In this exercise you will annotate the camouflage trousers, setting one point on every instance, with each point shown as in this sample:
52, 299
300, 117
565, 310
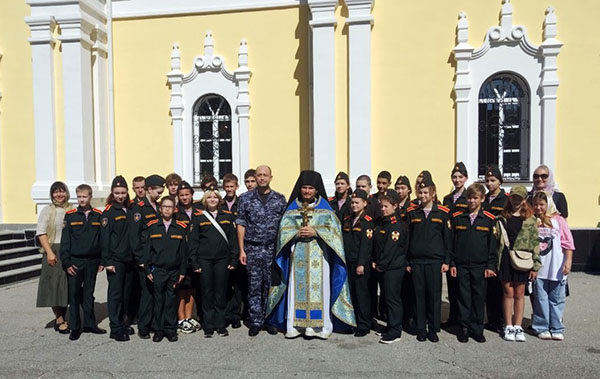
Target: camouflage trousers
259, 264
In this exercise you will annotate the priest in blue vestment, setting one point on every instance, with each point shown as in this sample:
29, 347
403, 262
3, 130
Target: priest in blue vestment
309, 293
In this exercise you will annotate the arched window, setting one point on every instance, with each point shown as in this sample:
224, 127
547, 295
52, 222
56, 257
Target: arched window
211, 138
504, 126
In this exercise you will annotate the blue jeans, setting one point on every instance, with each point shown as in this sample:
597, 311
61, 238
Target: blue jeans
548, 306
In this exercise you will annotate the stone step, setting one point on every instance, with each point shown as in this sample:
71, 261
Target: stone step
18, 252
12, 243
20, 274
8, 265
4, 236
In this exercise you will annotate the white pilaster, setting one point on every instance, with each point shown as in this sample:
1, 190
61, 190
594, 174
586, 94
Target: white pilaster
242, 78
462, 90
42, 63
359, 22
322, 25
550, 49
175, 79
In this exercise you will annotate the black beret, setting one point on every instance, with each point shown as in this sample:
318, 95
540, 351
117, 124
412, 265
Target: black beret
403, 180
361, 194
460, 167
184, 185
155, 181
343, 176
495, 172
119, 181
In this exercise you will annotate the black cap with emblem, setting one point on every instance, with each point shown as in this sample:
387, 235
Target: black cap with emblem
427, 181
119, 181
403, 180
342, 176
392, 196
184, 185
460, 167
362, 194
495, 172
155, 181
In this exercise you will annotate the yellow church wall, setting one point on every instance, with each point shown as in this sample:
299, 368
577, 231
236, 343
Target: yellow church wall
413, 119
278, 88
16, 115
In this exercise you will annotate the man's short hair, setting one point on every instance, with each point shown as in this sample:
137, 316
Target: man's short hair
138, 179
84, 187
228, 178
250, 173
173, 178
385, 175
364, 177
167, 198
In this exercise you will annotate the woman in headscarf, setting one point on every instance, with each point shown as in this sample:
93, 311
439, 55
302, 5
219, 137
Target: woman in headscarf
543, 180
52, 287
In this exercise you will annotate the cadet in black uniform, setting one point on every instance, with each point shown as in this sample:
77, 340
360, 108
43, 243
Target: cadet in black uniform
363, 182
80, 256
391, 239
214, 252
429, 256
472, 260
165, 259
384, 180
455, 201
187, 289
495, 200
237, 289
141, 214
418, 181
117, 258
358, 229
340, 203
404, 190
172, 182
138, 185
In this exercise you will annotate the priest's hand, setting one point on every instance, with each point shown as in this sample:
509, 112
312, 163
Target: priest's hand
307, 232
445, 268
453, 272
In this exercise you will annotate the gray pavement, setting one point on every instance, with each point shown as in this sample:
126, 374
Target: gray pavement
29, 350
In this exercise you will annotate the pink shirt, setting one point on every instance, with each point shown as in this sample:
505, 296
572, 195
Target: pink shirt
167, 224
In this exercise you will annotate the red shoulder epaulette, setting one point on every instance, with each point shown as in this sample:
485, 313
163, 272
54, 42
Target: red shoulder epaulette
393, 219
457, 213
71, 211
182, 224
411, 208
107, 207
131, 201
367, 217
347, 217
198, 212
331, 198
97, 210
443, 209
152, 222
141, 203
507, 193
491, 216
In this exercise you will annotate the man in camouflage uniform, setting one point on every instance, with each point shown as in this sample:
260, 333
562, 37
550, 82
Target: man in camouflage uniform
259, 213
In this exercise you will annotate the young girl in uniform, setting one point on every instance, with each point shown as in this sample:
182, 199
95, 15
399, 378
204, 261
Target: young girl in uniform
340, 203
519, 227
556, 251
402, 188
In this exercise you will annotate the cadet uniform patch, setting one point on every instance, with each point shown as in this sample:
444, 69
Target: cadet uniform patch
369, 233
137, 217
104, 221
395, 235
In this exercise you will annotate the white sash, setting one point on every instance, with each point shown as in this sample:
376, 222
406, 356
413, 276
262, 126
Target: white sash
216, 225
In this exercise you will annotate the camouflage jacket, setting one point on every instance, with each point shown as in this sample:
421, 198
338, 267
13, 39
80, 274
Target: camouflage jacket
261, 220
527, 240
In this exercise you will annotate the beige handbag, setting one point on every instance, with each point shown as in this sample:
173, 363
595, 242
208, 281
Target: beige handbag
521, 260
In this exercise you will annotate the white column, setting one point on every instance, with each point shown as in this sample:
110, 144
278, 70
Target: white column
175, 79
77, 87
242, 78
359, 22
101, 129
1, 204
42, 42
550, 49
323, 88
466, 143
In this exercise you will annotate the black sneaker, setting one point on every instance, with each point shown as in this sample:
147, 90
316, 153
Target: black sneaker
222, 332
433, 337
388, 338
143, 334
271, 330
360, 333
463, 335
172, 337
478, 337
129, 331
253, 331
75, 334
158, 336
208, 333
236, 324
421, 336
121, 337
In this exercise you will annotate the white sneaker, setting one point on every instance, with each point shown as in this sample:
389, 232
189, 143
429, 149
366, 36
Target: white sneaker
519, 334
544, 335
187, 328
558, 336
195, 324
509, 333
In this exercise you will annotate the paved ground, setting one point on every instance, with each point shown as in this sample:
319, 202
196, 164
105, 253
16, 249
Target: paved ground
29, 350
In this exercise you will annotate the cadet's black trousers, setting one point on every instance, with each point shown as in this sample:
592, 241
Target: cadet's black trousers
237, 294
81, 292
408, 297
146, 308
392, 286
377, 295
427, 279
213, 283
452, 284
359, 293
119, 292
166, 301
493, 300
471, 297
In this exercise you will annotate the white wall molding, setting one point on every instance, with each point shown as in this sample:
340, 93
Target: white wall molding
507, 48
1, 204
323, 147
209, 76
359, 23
152, 8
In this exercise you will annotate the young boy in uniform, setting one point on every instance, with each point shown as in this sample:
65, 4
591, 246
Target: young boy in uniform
429, 256
384, 180
139, 188
141, 214
80, 255
357, 230
165, 261
250, 179
473, 259
172, 181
